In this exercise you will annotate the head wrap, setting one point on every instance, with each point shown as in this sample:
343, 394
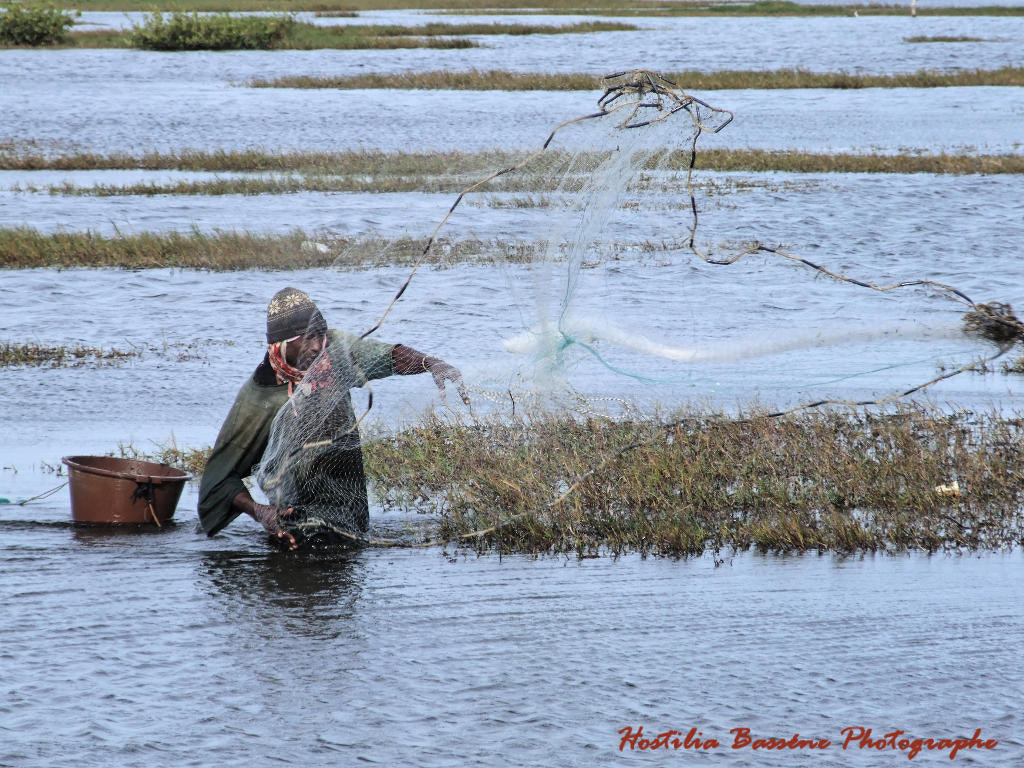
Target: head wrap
292, 313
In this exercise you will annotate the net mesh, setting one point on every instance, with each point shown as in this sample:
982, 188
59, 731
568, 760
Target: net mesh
616, 180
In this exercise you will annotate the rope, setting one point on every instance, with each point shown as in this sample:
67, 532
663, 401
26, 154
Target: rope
43, 495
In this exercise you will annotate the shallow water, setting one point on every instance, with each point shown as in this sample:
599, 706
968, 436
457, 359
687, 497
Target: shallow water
122, 100
863, 44
175, 115
171, 648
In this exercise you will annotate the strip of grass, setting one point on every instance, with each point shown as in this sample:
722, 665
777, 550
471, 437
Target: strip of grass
301, 36
276, 186
360, 162
19, 354
827, 480
437, 28
590, 7
522, 183
24, 248
691, 80
946, 39
389, 171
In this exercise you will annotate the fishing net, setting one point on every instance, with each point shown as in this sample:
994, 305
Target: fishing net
607, 189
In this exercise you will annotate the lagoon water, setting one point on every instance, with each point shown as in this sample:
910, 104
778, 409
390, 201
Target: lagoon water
141, 648
171, 649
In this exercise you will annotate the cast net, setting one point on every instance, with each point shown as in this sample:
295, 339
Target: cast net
602, 297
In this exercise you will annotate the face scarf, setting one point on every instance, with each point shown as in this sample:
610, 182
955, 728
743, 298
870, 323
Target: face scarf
285, 373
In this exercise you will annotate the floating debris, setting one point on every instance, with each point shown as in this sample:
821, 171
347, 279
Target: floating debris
995, 322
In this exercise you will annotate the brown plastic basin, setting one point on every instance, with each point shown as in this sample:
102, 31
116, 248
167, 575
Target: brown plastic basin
109, 490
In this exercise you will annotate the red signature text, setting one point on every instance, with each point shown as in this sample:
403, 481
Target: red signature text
853, 737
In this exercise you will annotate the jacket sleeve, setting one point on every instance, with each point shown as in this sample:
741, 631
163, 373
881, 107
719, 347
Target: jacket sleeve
356, 361
239, 447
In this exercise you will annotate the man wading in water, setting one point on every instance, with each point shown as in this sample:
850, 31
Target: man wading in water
312, 470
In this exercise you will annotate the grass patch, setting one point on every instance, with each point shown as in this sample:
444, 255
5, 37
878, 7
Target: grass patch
15, 354
223, 251
946, 39
822, 480
215, 32
591, 7
498, 80
445, 171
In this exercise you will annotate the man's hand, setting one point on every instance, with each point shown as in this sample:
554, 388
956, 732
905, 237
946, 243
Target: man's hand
409, 362
442, 372
270, 518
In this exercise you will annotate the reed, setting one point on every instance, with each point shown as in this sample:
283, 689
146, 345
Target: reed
392, 170
691, 80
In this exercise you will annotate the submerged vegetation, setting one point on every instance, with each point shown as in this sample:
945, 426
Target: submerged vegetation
500, 80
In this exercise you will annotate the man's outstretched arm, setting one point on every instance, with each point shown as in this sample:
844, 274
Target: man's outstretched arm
409, 362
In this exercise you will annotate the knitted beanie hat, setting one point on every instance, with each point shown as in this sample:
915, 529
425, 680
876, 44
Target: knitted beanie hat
292, 313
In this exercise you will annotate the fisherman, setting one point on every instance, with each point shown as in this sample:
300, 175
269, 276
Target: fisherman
301, 389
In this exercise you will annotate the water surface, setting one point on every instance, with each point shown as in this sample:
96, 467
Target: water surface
171, 648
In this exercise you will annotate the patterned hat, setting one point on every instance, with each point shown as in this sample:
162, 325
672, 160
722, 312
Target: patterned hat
292, 313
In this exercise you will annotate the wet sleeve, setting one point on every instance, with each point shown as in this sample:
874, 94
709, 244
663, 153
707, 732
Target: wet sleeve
370, 359
239, 447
